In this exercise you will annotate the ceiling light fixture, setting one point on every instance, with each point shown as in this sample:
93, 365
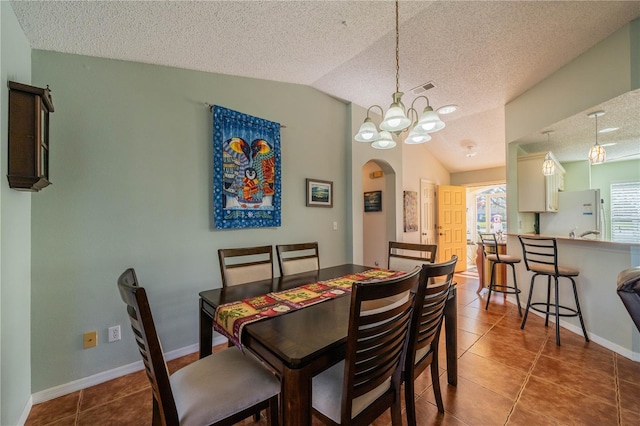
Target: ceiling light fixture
609, 129
396, 120
447, 109
597, 153
549, 166
471, 152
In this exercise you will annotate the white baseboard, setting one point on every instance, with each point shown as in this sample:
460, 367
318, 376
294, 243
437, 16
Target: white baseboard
105, 376
25, 413
627, 353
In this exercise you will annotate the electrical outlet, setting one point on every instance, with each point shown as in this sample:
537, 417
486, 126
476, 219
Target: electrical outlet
114, 333
90, 339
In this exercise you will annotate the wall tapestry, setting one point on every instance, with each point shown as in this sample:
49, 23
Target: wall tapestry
246, 170
410, 211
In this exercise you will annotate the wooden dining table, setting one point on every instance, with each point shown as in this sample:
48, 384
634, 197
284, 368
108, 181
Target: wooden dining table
302, 343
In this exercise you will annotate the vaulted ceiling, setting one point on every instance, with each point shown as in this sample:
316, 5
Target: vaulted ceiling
479, 54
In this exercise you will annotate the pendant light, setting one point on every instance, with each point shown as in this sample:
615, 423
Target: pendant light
549, 166
396, 120
597, 153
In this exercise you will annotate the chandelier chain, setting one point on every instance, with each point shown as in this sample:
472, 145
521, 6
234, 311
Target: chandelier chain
397, 51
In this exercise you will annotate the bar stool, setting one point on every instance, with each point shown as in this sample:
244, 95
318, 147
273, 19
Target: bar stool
541, 258
489, 241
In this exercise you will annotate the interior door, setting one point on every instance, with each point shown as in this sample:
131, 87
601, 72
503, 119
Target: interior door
452, 224
427, 212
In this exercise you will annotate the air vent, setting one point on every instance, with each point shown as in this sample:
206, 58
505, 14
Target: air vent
423, 88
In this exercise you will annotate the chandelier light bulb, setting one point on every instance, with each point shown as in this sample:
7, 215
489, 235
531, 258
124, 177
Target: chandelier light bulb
385, 142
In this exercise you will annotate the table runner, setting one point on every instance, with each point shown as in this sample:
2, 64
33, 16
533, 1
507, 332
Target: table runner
230, 318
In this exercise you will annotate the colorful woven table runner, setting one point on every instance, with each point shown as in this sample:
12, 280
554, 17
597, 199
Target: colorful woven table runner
230, 318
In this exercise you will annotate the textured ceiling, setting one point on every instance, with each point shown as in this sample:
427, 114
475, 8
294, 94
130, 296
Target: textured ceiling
479, 54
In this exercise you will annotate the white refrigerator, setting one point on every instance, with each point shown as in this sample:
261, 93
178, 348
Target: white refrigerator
578, 211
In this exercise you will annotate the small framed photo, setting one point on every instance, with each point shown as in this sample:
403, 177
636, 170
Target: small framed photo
319, 193
373, 201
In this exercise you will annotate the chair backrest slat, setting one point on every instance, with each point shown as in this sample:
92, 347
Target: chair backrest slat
489, 244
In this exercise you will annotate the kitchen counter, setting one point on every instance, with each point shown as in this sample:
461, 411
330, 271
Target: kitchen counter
587, 239
599, 262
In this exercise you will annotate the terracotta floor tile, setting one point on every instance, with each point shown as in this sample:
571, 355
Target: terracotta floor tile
53, 410
480, 314
630, 396
501, 350
587, 381
534, 325
566, 405
628, 370
113, 389
520, 338
584, 355
522, 417
176, 364
472, 403
427, 415
629, 418
491, 374
466, 296
134, 410
473, 326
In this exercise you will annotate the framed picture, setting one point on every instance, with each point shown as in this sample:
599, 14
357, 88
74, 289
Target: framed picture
319, 193
373, 201
410, 211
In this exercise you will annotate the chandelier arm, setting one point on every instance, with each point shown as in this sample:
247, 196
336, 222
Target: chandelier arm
411, 112
421, 96
375, 106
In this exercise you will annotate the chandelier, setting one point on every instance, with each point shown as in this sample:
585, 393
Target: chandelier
396, 120
597, 154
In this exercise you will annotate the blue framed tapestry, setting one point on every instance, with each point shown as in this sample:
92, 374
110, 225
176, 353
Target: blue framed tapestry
246, 170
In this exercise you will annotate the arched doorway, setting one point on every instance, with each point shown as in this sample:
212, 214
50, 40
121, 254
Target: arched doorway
379, 223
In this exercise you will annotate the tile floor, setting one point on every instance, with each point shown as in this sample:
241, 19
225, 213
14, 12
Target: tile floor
506, 376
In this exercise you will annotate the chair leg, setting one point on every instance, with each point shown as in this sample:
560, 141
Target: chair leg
435, 382
526, 311
156, 419
256, 417
575, 293
272, 412
515, 286
396, 410
410, 399
493, 265
546, 315
557, 304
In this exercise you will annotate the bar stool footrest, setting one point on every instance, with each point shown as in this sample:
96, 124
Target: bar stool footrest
505, 289
548, 310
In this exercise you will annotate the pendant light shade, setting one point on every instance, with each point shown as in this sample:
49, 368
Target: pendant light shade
597, 153
385, 142
395, 120
367, 132
417, 135
430, 121
548, 166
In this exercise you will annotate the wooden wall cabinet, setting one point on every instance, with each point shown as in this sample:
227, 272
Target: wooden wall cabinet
536, 192
29, 109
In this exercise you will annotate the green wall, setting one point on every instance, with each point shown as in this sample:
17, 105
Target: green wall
15, 240
131, 162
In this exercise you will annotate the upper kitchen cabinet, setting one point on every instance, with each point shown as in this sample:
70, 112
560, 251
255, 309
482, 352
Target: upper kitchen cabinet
536, 192
28, 155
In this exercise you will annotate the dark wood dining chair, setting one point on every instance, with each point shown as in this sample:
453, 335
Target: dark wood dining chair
243, 265
220, 389
426, 322
297, 258
406, 256
359, 389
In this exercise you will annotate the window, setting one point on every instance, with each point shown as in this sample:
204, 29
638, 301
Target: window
625, 212
491, 210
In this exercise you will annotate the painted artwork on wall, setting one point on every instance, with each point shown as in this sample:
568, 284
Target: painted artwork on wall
246, 170
410, 211
373, 201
